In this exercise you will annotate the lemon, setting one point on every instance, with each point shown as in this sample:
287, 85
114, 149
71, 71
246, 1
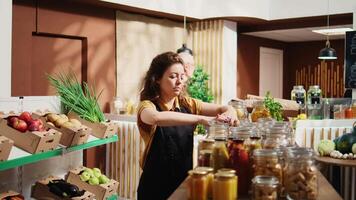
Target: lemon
302, 116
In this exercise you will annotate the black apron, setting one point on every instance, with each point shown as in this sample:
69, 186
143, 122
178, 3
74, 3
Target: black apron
168, 161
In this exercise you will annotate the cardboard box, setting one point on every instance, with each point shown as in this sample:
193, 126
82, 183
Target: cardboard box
99, 130
9, 194
32, 142
101, 191
70, 136
5, 147
41, 191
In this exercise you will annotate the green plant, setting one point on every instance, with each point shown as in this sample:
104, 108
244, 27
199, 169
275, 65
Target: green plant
198, 88
74, 97
275, 108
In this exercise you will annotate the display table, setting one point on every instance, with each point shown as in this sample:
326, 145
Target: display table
326, 191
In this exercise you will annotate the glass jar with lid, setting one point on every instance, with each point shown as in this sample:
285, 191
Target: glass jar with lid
198, 184
298, 94
225, 186
220, 156
217, 130
276, 137
240, 108
266, 163
301, 174
265, 187
210, 177
205, 148
314, 94
259, 111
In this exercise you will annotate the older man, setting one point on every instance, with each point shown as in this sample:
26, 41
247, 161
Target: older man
187, 55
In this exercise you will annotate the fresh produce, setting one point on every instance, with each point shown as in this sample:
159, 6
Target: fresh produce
24, 123
325, 147
19, 125
62, 120
354, 148
25, 116
93, 176
64, 189
74, 97
36, 125
344, 143
338, 154
14, 197
275, 108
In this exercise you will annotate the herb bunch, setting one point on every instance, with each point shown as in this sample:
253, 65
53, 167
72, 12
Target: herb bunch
275, 108
74, 97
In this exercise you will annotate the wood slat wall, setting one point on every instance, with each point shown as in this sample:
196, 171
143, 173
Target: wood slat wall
329, 77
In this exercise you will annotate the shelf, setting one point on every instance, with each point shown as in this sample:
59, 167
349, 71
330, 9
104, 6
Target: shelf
113, 197
18, 157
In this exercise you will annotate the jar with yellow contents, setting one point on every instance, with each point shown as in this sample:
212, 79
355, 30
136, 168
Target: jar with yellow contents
240, 108
225, 186
220, 156
198, 185
210, 177
259, 111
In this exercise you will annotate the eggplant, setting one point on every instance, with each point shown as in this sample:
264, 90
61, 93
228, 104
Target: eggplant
64, 189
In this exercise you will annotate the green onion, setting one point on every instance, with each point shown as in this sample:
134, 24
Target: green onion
77, 98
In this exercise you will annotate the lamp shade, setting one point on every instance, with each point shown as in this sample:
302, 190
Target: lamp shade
184, 48
327, 53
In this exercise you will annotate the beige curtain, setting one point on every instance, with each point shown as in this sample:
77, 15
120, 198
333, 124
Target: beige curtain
139, 39
207, 46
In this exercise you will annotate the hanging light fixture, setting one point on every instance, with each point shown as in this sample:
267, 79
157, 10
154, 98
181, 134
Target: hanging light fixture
327, 53
184, 47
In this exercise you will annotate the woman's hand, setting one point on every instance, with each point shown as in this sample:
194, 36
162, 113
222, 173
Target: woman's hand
227, 119
205, 120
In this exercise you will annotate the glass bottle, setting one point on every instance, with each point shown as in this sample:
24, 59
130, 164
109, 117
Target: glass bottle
198, 185
259, 111
314, 94
298, 94
301, 174
265, 187
326, 109
225, 186
116, 106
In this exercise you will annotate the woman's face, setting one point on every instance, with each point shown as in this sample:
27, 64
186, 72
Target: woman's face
172, 81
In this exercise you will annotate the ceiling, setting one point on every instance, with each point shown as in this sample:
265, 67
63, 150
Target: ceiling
297, 34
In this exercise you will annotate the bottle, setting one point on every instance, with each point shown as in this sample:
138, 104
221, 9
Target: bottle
326, 109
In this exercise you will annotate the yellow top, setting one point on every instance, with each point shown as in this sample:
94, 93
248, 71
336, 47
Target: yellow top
147, 131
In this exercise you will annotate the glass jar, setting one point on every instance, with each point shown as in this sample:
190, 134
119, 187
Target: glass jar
225, 186
240, 158
266, 163
204, 158
348, 112
217, 130
314, 94
227, 170
298, 94
117, 106
339, 111
198, 184
220, 156
265, 187
205, 145
301, 174
276, 137
259, 111
240, 108
210, 177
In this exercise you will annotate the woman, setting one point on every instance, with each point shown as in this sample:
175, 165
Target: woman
166, 120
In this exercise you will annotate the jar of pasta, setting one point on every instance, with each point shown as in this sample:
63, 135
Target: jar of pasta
259, 111
265, 188
210, 177
301, 174
266, 163
225, 186
198, 184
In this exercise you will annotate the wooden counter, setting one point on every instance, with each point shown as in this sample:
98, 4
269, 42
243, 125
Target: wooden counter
326, 191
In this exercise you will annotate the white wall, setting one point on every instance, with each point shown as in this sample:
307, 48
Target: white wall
264, 9
5, 47
229, 70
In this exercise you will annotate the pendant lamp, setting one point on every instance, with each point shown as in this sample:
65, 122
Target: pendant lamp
184, 47
327, 53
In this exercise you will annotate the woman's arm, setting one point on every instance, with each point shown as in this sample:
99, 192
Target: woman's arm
169, 118
210, 109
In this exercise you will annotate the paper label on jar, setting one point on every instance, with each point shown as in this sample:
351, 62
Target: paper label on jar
299, 98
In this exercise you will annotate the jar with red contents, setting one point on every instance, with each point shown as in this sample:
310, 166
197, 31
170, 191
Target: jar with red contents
240, 161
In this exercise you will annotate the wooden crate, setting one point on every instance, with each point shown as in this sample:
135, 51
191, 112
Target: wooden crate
5, 147
32, 142
101, 191
41, 191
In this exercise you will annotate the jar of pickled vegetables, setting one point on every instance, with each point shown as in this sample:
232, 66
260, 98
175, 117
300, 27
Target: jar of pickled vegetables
301, 174
198, 184
210, 177
240, 108
204, 157
225, 186
259, 111
266, 163
220, 156
265, 188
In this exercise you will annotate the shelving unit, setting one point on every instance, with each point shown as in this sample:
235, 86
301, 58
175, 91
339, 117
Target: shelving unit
19, 157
